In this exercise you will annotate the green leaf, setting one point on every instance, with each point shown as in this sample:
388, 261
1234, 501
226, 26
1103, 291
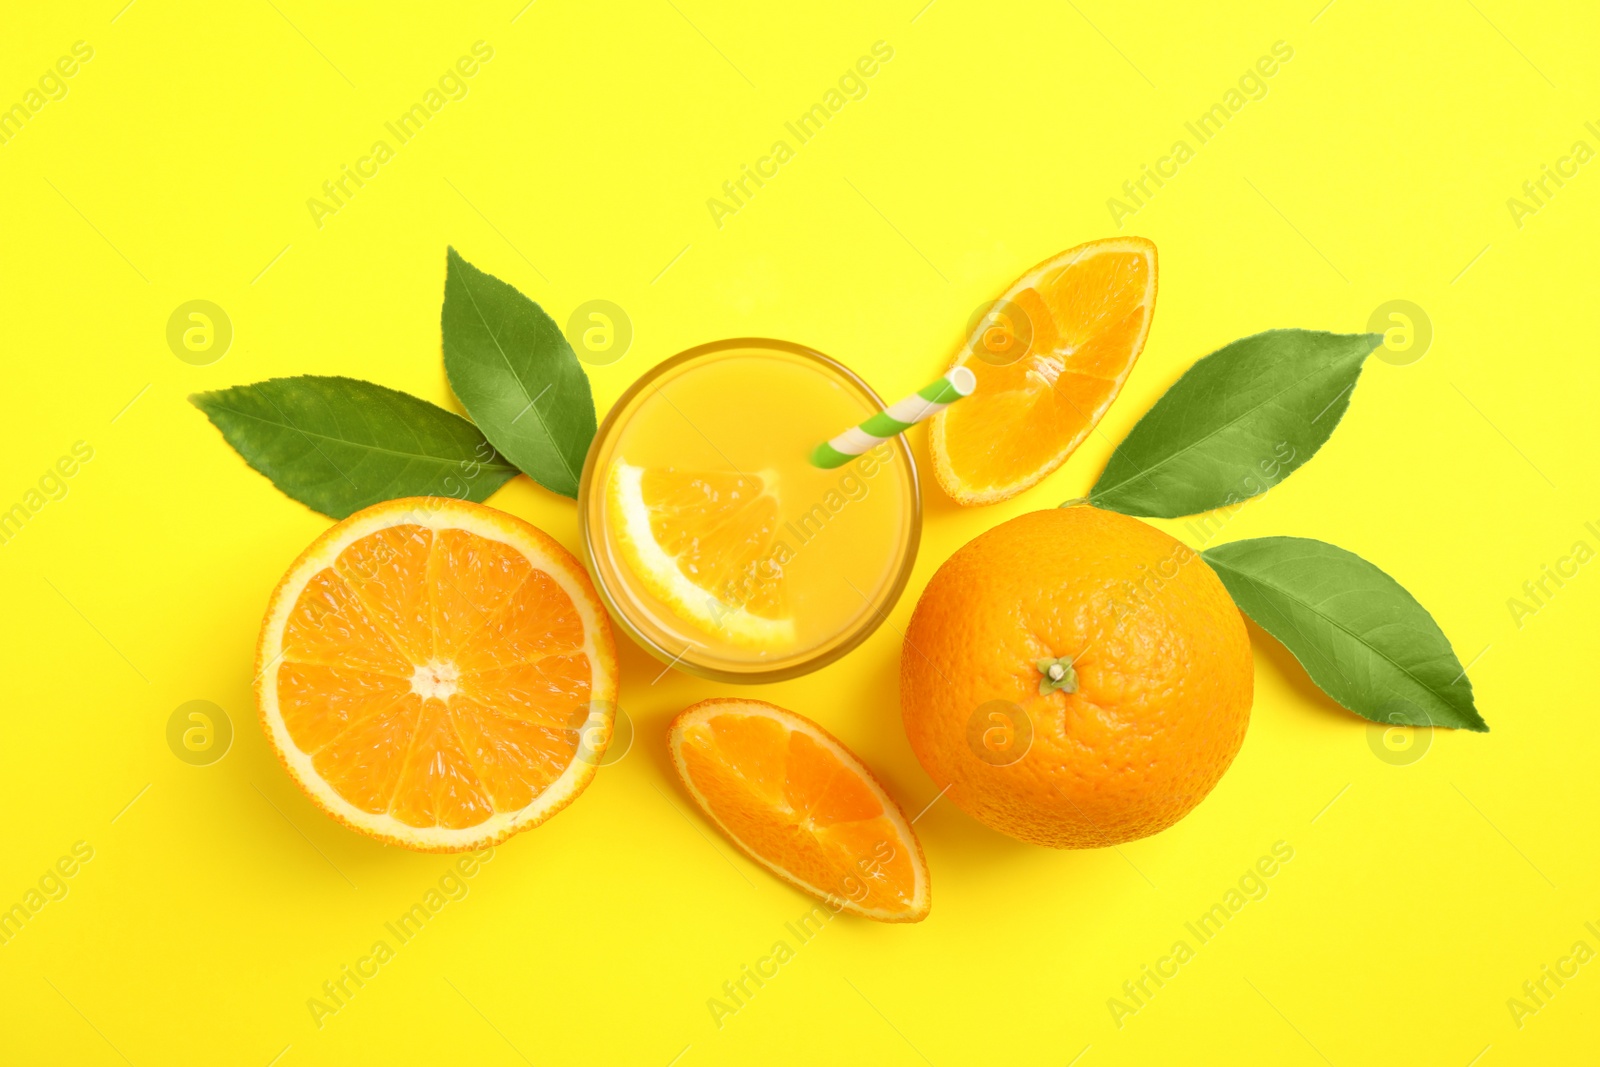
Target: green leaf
339, 444
517, 376
1238, 422
1356, 631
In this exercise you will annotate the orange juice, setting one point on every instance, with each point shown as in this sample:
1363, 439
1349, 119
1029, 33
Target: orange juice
715, 542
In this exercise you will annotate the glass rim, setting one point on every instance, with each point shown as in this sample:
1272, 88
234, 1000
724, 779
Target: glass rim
870, 621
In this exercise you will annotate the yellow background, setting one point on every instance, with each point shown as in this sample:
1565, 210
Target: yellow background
1378, 167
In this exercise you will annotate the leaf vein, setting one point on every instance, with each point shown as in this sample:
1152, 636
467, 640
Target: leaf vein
1336, 624
1172, 457
444, 460
522, 387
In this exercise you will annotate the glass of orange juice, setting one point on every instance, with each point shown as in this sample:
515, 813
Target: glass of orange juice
711, 537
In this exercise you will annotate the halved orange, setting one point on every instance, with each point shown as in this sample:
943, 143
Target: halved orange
799, 803
437, 674
1050, 356
702, 543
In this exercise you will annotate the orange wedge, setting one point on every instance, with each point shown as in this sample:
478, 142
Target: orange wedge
437, 674
1050, 356
701, 542
800, 804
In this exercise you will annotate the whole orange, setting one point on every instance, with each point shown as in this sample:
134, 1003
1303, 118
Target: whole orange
1077, 678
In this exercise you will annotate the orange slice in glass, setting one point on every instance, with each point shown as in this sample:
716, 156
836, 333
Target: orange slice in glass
1050, 356
437, 674
702, 543
800, 804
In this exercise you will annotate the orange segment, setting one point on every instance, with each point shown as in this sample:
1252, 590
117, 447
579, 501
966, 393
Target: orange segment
319, 703
799, 803
553, 691
714, 524
1050, 357
820, 787
758, 746
438, 786
516, 760
427, 669
388, 572
469, 580
537, 620
703, 543
362, 764
329, 624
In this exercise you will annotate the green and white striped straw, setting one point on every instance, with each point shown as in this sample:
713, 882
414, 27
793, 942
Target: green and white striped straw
896, 419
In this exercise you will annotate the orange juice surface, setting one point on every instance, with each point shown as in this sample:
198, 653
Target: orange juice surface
714, 539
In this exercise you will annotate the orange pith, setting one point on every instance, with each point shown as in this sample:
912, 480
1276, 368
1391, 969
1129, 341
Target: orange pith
798, 802
437, 674
1049, 359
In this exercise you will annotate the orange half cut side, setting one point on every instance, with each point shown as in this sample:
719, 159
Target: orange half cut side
437, 674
